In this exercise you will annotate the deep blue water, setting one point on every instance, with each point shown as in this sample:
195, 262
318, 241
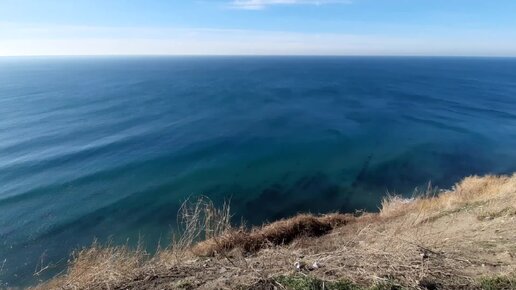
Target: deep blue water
109, 147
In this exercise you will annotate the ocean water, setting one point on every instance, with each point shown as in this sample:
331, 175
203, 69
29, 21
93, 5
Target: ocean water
109, 147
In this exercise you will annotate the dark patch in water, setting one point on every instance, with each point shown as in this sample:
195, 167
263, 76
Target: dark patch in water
309, 193
420, 166
361, 174
331, 193
311, 182
437, 124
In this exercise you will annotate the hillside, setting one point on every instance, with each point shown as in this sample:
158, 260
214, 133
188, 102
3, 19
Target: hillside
462, 238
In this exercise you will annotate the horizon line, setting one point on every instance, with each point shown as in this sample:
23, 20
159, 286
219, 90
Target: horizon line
259, 55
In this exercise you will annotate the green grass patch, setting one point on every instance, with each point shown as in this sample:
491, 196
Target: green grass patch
498, 283
298, 282
508, 211
444, 213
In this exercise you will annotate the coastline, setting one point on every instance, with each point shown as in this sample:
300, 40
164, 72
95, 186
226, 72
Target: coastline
459, 238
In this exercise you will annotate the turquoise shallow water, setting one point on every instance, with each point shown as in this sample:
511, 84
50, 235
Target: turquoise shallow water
109, 147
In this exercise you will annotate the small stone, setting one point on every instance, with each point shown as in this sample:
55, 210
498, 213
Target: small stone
424, 255
299, 265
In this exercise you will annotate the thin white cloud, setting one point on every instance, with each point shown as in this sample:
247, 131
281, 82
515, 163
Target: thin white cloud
262, 4
32, 39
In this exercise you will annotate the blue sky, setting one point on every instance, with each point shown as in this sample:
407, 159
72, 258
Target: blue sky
241, 27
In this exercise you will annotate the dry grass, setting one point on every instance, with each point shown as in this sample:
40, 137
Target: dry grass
100, 266
471, 190
277, 233
434, 238
107, 266
200, 220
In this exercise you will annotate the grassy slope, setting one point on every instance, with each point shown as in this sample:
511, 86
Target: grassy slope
464, 238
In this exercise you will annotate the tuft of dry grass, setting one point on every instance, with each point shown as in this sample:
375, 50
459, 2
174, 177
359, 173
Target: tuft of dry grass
104, 267
198, 220
473, 189
97, 266
277, 233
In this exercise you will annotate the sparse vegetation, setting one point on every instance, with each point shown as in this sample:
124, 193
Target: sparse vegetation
498, 283
506, 212
432, 241
300, 282
305, 282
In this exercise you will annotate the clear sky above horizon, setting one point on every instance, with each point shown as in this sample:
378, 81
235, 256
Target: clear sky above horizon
258, 27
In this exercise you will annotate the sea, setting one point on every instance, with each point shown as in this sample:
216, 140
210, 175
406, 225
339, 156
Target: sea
107, 148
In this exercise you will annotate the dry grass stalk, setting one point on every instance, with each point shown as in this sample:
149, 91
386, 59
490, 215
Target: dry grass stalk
200, 219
